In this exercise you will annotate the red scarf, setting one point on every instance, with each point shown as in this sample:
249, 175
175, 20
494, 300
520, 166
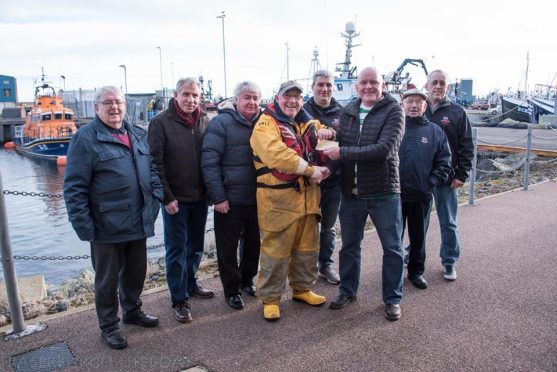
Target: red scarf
189, 119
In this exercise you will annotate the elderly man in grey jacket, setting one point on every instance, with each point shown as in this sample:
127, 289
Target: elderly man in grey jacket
112, 195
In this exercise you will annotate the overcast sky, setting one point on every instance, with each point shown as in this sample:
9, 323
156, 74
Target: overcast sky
86, 41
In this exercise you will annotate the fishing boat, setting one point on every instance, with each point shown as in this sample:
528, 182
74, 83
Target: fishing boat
515, 107
396, 82
48, 126
543, 101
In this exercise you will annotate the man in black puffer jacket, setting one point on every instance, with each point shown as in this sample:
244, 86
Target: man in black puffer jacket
229, 175
369, 136
425, 163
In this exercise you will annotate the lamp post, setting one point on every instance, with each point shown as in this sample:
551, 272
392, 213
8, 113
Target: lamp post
222, 15
172, 73
162, 86
125, 78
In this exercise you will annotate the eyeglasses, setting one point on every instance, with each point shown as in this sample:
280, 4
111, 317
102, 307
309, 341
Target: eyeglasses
296, 97
412, 101
110, 103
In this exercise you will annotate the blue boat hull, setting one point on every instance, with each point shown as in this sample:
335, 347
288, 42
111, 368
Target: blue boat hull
44, 148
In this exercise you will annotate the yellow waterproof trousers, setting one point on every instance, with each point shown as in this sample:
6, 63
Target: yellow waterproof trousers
292, 252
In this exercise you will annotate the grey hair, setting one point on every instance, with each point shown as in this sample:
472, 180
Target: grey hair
187, 81
249, 85
109, 89
321, 73
438, 72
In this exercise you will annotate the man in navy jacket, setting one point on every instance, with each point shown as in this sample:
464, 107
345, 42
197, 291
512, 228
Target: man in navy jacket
112, 193
425, 163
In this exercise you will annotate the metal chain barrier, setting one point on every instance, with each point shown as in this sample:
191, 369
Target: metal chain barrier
544, 139
83, 257
37, 194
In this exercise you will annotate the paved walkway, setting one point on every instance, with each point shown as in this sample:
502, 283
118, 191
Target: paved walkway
499, 315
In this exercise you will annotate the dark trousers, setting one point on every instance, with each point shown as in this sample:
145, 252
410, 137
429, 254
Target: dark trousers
120, 270
238, 225
184, 239
416, 215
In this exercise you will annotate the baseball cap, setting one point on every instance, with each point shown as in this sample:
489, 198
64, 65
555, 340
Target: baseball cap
290, 84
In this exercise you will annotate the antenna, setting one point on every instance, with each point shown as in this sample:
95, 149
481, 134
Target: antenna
314, 67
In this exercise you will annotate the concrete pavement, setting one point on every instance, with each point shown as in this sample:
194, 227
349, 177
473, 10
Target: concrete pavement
499, 315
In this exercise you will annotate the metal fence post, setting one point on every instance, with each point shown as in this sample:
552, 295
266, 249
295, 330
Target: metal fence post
472, 180
528, 154
10, 277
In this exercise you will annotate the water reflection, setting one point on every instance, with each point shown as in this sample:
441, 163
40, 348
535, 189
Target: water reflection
39, 226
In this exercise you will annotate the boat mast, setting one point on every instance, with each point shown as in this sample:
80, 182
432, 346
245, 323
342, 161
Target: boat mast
526, 76
349, 35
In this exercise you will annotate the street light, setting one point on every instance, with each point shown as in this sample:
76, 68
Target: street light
222, 15
172, 73
125, 78
162, 86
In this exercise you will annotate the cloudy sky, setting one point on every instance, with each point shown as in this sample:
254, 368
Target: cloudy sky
86, 41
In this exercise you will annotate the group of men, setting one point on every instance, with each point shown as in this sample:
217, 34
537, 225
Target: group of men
276, 196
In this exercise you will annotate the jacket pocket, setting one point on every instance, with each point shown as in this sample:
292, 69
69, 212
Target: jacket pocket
109, 155
115, 218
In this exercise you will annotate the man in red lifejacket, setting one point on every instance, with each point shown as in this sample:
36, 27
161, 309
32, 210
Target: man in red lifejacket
288, 174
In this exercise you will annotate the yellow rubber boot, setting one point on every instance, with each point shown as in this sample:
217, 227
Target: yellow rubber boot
271, 312
309, 298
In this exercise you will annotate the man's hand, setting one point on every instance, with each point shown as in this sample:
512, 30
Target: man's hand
222, 207
172, 207
332, 153
326, 133
320, 173
456, 184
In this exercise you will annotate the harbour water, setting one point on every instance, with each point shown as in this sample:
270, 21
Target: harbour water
39, 226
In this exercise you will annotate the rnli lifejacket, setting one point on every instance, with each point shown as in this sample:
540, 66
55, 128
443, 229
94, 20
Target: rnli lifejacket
304, 144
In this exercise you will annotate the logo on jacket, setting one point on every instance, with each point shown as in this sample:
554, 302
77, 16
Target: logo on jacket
424, 140
445, 121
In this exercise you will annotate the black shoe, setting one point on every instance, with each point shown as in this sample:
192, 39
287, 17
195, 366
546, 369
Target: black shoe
341, 301
418, 281
236, 302
393, 312
114, 339
143, 320
182, 313
249, 289
200, 292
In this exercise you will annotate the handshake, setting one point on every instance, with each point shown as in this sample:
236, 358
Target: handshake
320, 173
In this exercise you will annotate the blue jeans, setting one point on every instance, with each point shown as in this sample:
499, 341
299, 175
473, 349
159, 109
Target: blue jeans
184, 239
446, 203
387, 217
330, 203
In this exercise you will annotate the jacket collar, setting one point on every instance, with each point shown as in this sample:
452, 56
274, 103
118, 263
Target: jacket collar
104, 134
417, 120
333, 107
274, 111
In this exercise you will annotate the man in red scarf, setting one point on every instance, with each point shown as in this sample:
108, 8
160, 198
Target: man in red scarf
175, 138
